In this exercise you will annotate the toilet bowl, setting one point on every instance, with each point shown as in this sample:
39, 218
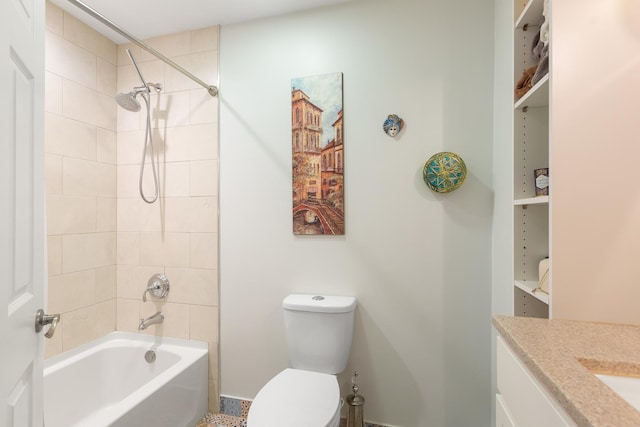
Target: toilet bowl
319, 330
296, 398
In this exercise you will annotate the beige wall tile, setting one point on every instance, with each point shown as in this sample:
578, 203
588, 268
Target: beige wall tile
107, 77
54, 19
193, 286
88, 105
172, 109
204, 65
176, 179
170, 45
133, 279
204, 107
196, 142
70, 61
53, 174
128, 248
128, 315
175, 81
176, 319
78, 102
204, 178
106, 283
191, 214
204, 39
54, 255
81, 34
204, 250
86, 251
106, 214
52, 93
105, 114
130, 146
168, 249
87, 324
129, 120
72, 291
136, 215
86, 178
204, 323
128, 176
106, 151
66, 214
69, 137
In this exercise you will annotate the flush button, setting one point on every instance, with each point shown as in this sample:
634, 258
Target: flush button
318, 298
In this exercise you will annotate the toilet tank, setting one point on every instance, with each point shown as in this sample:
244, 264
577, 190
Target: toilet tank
319, 330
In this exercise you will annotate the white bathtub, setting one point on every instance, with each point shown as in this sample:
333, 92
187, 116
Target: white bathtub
108, 382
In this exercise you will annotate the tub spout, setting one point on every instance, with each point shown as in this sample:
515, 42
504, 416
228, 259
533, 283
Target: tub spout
156, 318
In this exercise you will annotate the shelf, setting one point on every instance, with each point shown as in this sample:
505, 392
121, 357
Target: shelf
538, 95
538, 200
531, 14
528, 287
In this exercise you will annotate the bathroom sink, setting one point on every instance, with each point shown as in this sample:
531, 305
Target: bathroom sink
627, 387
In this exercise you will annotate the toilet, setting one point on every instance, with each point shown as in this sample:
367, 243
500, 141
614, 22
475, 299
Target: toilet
319, 329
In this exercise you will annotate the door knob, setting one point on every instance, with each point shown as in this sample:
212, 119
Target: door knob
46, 319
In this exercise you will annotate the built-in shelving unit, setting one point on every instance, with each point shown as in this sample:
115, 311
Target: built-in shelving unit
530, 152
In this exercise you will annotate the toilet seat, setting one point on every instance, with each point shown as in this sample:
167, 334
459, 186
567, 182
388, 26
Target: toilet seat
296, 398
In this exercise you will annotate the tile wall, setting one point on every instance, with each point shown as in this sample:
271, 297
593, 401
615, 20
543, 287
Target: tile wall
80, 162
104, 241
178, 235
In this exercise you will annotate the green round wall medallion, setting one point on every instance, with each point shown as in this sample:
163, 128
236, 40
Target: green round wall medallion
444, 172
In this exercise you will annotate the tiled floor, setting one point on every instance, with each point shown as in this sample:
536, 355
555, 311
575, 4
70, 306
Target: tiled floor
219, 420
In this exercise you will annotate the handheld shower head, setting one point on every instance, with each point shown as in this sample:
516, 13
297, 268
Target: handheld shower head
128, 101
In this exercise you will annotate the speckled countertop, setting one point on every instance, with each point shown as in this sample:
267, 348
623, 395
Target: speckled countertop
564, 354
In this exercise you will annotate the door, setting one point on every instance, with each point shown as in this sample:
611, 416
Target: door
22, 232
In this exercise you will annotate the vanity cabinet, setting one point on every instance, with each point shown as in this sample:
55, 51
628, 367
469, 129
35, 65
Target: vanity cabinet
521, 400
531, 225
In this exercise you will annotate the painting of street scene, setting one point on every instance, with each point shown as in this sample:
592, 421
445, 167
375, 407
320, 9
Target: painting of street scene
317, 141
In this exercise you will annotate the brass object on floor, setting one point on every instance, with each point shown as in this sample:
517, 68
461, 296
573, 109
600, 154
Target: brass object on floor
355, 402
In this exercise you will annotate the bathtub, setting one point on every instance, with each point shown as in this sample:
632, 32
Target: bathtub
108, 382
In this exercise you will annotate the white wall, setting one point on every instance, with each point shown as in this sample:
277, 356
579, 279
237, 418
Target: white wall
418, 262
502, 229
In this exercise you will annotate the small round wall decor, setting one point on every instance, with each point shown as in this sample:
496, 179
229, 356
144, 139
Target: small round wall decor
392, 125
444, 172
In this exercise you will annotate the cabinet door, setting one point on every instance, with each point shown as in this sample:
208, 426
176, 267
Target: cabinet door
527, 400
503, 418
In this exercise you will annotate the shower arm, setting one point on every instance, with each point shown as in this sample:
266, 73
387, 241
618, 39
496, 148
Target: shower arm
213, 90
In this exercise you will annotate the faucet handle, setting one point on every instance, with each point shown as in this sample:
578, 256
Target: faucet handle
158, 286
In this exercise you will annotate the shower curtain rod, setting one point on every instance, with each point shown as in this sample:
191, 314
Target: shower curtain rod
213, 90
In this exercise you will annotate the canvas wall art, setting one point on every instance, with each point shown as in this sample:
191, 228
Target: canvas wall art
317, 141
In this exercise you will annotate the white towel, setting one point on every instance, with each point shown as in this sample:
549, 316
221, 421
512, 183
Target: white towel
544, 32
544, 28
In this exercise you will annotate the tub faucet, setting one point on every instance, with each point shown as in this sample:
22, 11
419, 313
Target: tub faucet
156, 318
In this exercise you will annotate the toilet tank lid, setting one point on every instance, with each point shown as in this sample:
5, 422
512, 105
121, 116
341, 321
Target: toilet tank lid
319, 303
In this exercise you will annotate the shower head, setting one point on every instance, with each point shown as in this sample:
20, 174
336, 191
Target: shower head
128, 101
